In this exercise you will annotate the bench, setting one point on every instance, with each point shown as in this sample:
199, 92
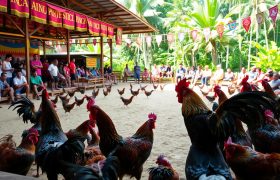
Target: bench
119, 75
92, 81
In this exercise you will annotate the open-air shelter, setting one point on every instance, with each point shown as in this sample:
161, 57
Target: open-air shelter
64, 20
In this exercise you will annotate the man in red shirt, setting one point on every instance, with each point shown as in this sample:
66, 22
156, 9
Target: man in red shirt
72, 68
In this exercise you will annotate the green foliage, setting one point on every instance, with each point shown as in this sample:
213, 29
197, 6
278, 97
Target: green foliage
267, 57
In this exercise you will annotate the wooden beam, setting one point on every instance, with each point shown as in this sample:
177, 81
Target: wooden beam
114, 15
11, 34
46, 38
40, 26
83, 6
110, 41
101, 55
27, 47
68, 45
109, 11
15, 24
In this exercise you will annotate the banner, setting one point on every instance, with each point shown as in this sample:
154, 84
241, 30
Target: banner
39, 11
103, 29
81, 22
55, 15
94, 41
273, 13
170, 38
68, 20
246, 23
93, 26
110, 31
181, 36
207, 33
16, 48
232, 25
3, 5
20, 8
158, 39
149, 41
194, 34
91, 62
119, 36
260, 18
220, 29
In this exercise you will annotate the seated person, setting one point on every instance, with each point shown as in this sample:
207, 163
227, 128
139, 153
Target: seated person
163, 71
241, 75
191, 73
206, 74
111, 75
168, 71
126, 73
252, 74
198, 74
260, 76
218, 76
180, 73
81, 71
275, 83
5, 88
229, 75
37, 84
20, 85
145, 75
94, 72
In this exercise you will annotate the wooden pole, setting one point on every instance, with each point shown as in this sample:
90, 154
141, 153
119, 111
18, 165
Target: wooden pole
111, 52
68, 45
101, 55
44, 49
27, 47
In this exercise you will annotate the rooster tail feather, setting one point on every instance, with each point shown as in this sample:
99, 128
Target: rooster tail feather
160, 172
111, 168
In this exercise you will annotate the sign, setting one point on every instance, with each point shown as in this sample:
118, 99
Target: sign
103, 31
20, 8
55, 15
207, 33
38, 11
220, 29
91, 62
110, 31
68, 20
273, 13
181, 36
3, 5
81, 22
93, 26
246, 23
119, 36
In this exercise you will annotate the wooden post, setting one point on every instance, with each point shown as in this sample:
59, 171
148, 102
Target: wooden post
68, 45
27, 47
111, 52
44, 49
101, 55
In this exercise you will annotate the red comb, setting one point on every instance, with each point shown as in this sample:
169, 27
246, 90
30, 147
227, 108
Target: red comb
152, 116
245, 79
181, 86
90, 103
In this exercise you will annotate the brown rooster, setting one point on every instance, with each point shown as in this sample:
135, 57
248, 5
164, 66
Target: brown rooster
121, 91
246, 87
79, 101
162, 86
63, 97
95, 93
55, 99
82, 130
105, 92
148, 93
127, 101
68, 107
222, 96
132, 151
143, 87
19, 159
108, 88
249, 164
71, 93
163, 171
134, 93
82, 90
155, 86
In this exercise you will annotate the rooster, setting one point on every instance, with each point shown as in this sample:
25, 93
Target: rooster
163, 171
134, 93
82, 90
246, 87
105, 92
95, 93
211, 98
208, 129
68, 107
19, 159
127, 101
131, 87
218, 92
79, 101
249, 164
121, 91
62, 98
142, 87
71, 93
148, 93
269, 90
155, 86
162, 86
55, 99
108, 89
132, 151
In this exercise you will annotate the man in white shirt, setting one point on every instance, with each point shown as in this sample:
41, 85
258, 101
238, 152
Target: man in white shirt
20, 85
7, 68
54, 74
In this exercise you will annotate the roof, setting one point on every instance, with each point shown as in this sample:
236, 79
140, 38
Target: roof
111, 12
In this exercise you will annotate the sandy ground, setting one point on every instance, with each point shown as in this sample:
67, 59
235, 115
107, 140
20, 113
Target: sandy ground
170, 135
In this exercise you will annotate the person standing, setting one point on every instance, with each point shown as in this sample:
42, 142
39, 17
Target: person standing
36, 64
66, 72
36, 83
7, 68
72, 67
54, 74
20, 85
137, 72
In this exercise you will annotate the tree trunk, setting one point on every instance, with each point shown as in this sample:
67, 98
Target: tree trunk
227, 56
214, 52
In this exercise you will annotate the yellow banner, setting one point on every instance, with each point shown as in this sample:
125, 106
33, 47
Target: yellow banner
91, 62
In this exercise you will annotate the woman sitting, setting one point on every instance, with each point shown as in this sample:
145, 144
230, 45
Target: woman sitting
126, 73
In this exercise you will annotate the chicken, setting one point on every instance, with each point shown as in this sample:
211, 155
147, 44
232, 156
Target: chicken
82, 90
162, 86
68, 107
132, 151
134, 93
249, 164
163, 171
95, 93
71, 93
127, 101
208, 129
55, 99
211, 98
205, 93
131, 87
155, 86
246, 87
142, 87
19, 159
79, 101
148, 93
51, 137
105, 92
218, 92
269, 90
108, 89
231, 90
62, 98
121, 91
